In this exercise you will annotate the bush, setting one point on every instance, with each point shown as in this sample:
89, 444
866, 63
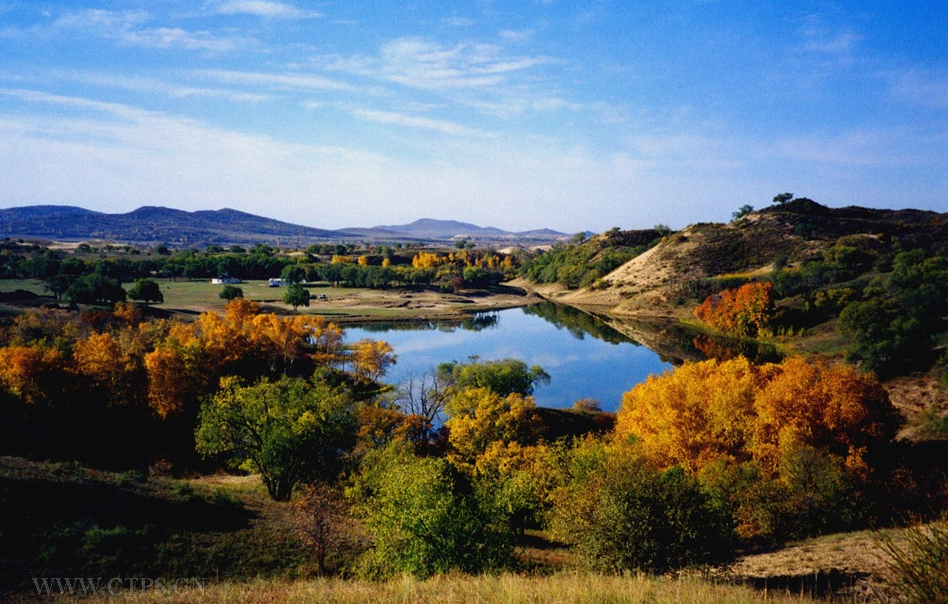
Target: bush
426, 518
621, 514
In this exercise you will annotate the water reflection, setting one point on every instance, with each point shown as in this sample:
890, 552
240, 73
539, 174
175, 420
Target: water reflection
587, 356
477, 322
578, 323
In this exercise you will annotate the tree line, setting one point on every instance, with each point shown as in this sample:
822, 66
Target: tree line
89, 279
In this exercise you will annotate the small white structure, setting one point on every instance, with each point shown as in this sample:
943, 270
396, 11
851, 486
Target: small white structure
276, 283
226, 280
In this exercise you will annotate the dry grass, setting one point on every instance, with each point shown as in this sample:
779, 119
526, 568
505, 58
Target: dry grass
566, 588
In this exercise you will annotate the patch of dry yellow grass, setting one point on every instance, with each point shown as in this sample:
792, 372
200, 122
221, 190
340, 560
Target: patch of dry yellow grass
564, 588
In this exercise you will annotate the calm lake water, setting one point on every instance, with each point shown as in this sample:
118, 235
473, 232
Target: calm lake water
586, 359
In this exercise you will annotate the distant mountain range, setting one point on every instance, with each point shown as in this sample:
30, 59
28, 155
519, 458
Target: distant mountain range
177, 227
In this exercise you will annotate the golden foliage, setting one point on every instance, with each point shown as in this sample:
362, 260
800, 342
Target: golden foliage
426, 260
371, 359
482, 420
25, 371
734, 410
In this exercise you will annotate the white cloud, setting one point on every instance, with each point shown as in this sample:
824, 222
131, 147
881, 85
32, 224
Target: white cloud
262, 8
926, 88
817, 36
423, 63
128, 27
410, 121
459, 22
282, 81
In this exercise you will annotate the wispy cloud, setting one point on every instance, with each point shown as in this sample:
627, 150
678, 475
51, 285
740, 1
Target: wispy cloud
280, 81
265, 9
458, 22
922, 87
411, 121
426, 64
481, 76
815, 35
131, 28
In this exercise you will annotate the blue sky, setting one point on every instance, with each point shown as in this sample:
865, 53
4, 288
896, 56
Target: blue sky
517, 114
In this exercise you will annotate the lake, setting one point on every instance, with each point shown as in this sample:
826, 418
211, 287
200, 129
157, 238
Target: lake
584, 357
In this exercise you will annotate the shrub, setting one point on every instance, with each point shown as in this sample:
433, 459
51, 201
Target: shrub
426, 517
621, 514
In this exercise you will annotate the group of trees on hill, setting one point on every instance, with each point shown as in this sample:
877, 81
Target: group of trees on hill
110, 388
581, 263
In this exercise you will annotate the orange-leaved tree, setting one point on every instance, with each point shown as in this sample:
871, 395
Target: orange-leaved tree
744, 312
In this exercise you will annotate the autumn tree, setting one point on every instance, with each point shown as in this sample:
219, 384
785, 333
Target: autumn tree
788, 446
371, 359
736, 410
288, 430
745, 312
320, 514
32, 373
479, 418
113, 364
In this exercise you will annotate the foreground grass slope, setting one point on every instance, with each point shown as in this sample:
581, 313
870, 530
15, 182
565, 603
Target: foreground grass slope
63, 520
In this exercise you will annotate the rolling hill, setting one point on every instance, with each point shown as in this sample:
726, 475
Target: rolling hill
653, 283
176, 227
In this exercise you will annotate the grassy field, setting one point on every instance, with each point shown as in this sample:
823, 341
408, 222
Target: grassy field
343, 305
562, 588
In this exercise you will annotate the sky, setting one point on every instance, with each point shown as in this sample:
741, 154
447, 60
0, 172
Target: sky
518, 114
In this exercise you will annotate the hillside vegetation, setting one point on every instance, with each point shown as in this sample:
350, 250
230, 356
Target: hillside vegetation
673, 276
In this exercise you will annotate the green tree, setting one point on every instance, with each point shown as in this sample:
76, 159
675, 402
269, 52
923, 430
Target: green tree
147, 291
502, 377
782, 198
230, 292
622, 514
426, 517
742, 211
95, 289
296, 295
289, 430
293, 273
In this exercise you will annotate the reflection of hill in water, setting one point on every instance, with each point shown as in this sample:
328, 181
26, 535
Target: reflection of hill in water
477, 322
578, 323
673, 342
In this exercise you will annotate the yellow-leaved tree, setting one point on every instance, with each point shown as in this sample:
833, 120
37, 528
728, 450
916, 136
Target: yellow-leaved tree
371, 359
703, 412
